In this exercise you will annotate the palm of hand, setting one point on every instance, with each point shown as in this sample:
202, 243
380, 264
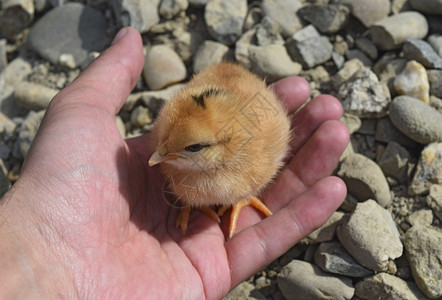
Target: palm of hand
106, 207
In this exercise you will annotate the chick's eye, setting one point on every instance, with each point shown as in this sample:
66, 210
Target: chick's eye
195, 147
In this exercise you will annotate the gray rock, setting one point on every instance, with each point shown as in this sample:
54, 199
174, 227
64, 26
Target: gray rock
16, 16
120, 126
387, 68
368, 47
389, 33
85, 26
140, 14
268, 32
338, 59
163, 67
327, 231
283, 12
428, 170
423, 217
301, 280
435, 41
198, 3
209, 53
141, 116
427, 6
364, 179
416, 119
28, 130
327, 19
332, 258
309, 48
435, 80
386, 286
242, 48
242, 291
424, 253
358, 54
225, 18
153, 100
170, 8
273, 62
364, 96
386, 132
350, 68
33, 96
394, 162
5, 184
422, 52
370, 236
254, 16
368, 12
398, 6
3, 58
434, 200
352, 122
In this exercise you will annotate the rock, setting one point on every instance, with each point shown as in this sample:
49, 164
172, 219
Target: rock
434, 200
364, 96
428, 170
284, 13
386, 286
33, 96
120, 126
254, 16
424, 253
394, 162
327, 19
367, 46
386, 132
85, 26
140, 14
28, 130
338, 60
332, 258
387, 68
435, 79
435, 41
389, 33
416, 119
225, 18
413, 81
436, 103
427, 6
209, 53
153, 100
16, 16
358, 54
301, 280
268, 32
163, 67
5, 184
198, 3
352, 122
273, 62
141, 116
327, 231
368, 12
170, 8
309, 48
3, 58
370, 236
422, 52
364, 179
242, 291
398, 6
423, 217
242, 48
350, 68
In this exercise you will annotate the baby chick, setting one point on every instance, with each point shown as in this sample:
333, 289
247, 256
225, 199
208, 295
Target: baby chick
220, 142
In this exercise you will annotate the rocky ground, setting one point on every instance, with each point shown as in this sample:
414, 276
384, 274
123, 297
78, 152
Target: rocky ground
381, 58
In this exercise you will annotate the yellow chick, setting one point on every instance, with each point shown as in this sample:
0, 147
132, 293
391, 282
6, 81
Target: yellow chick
220, 142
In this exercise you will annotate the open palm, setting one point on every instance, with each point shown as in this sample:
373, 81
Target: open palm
98, 211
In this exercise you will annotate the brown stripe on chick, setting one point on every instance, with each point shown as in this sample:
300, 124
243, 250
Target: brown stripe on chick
199, 99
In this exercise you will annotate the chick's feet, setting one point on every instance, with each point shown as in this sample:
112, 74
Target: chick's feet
236, 208
183, 216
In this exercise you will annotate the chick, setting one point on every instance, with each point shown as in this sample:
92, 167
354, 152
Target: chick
220, 142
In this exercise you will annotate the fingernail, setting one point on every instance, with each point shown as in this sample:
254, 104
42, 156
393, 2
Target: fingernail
119, 35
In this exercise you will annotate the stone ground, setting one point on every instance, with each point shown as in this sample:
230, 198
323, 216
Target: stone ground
385, 241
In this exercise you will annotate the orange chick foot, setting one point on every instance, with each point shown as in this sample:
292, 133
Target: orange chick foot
236, 208
183, 216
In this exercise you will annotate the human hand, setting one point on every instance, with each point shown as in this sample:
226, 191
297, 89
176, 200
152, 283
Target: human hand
87, 217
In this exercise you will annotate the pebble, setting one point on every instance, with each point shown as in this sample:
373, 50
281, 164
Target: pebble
424, 253
417, 120
85, 26
387, 68
268, 32
225, 18
16, 16
170, 8
389, 33
386, 286
347, 71
352, 122
368, 12
395, 161
273, 62
428, 170
153, 100
163, 67
309, 48
5, 184
242, 291
209, 53
141, 15
435, 41
242, 48
28, 130
254, 16
3, 58
120, 126
422, 217
332, 257
327, 19
413, 81
363, 95
358, 54
386, 132
198, 3
33, 96
434, 200
427, 6
285, 13
370, 235
141, 116
435, 80
300, 280
364, 179
327, 231
422, 52
368, 47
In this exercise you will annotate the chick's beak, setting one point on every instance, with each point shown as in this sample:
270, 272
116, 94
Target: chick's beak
160, 156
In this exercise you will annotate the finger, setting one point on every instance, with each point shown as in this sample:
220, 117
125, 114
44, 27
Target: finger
253, 248
310, 117
292, 91
107, 82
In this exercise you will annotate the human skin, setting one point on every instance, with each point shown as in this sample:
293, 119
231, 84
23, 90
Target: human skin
87, 219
